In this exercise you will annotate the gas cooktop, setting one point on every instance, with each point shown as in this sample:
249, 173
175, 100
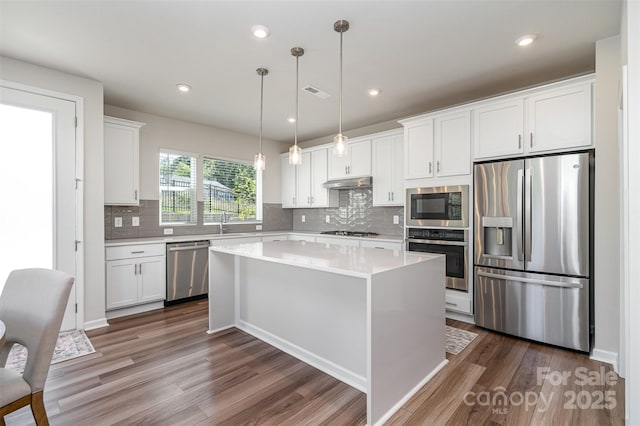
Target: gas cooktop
351, 233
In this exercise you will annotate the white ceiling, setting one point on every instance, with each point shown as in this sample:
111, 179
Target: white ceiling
422, 54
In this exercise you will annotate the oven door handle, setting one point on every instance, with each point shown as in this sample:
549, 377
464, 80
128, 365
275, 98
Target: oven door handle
440, 242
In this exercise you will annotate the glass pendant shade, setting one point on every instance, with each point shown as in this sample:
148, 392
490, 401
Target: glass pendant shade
295, 155
340, 145
259, 162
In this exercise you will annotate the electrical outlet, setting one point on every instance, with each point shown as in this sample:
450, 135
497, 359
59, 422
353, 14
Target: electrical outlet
327, 219
135, 221
258, 227
396, 219
168, 231
117, 222
303, 219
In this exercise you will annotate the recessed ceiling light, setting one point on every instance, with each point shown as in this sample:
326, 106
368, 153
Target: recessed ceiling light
291, 119
260, 31
374, 92
526, 40
183, 87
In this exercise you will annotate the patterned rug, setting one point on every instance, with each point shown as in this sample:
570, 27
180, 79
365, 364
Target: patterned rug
70, 344
458, 339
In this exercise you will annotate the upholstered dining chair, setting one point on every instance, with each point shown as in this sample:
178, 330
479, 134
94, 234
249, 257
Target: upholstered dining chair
32, 305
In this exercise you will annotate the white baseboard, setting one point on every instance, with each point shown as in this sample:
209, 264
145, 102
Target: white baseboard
217, 330
412, 392
99, 323
135, 310
460, 317
331, 368
605, 356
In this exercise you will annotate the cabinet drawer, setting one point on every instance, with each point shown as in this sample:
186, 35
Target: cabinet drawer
134, 250
458, 302
381, 245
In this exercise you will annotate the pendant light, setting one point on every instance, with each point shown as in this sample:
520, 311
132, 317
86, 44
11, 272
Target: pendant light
340, 140
259, 159
295, 153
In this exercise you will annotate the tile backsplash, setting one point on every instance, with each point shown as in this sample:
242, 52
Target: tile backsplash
275, 218
355, 213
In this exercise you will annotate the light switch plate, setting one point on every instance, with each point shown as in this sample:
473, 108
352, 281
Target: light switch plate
327, 219
258, 227
168, 231
135, 221
117, 222
396, 219
303, 219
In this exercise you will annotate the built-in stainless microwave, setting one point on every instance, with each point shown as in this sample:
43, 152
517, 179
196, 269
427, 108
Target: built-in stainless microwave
438, 206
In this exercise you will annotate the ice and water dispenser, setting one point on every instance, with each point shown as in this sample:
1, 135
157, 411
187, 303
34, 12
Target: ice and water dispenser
498, 232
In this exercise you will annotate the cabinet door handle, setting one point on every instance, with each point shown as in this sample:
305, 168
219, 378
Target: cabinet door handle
137, 252
135, 195
392, 195
519, 141
312, 200
429, 166
140, 268
531, 140
438, 166
135, 269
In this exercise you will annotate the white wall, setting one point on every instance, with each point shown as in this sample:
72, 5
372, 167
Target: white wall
631, 57
168, 133
607, 218
92, 92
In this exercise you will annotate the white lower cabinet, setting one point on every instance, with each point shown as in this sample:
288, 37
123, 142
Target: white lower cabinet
135, 275
457, 301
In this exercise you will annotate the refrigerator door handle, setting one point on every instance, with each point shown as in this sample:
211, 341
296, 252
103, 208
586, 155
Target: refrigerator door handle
529, 280
527, 214
519, 201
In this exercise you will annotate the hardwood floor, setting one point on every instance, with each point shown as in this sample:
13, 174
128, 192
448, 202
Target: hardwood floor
162, 368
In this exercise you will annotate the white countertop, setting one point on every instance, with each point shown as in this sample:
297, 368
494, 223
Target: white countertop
345, 260
180, 238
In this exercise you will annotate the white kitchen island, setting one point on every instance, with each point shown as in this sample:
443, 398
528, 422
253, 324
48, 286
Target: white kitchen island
372, 318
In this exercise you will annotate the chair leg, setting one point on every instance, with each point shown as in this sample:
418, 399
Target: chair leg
38, 410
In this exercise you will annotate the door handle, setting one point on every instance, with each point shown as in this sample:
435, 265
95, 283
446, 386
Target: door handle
529, 280
519, 201
527, 213
438, 166
135, 269
140, 268
429, 166
519, 141
531, 140
135, 195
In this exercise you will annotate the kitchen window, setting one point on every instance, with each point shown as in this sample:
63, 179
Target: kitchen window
231, 191
178, 179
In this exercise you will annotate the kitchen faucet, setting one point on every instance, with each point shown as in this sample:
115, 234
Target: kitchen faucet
222, 220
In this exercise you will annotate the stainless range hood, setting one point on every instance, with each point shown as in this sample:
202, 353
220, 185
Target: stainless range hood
349, 183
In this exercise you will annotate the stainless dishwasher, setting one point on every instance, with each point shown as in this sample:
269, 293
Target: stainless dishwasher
187, 270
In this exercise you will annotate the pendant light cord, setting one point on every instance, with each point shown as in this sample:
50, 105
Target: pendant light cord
295, 127
340, 86
261, 103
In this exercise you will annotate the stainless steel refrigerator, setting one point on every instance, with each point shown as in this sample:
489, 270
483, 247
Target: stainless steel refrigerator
533, 248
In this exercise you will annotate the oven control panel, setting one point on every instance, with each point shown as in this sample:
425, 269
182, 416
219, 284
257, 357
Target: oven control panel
437, 234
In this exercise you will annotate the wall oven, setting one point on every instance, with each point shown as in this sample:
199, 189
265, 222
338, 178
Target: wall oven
453, 243
438, 206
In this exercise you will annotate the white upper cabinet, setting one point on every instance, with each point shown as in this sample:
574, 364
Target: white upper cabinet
387, 170
499, 129
418, 150
541, 120
438, 145
560, 119
288, 182
453, 144
312, 173
121, 162
356, 162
